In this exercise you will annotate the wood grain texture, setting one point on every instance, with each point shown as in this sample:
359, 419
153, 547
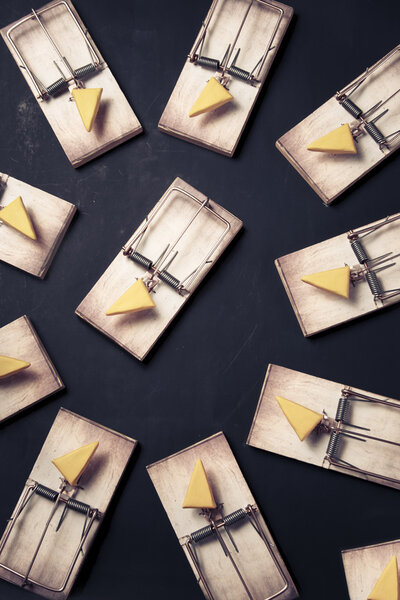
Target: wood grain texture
99, 482
20, 340
115, 122
220, 130
363, 566
170, 477
50, 216
271, 431
317, 310
138, 332
330, 175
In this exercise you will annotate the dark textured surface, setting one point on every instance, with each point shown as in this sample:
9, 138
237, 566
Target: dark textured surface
206, 373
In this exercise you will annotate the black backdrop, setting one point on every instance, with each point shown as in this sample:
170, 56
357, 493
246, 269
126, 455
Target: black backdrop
206, 373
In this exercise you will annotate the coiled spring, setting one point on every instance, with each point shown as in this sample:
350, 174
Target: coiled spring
359, 251
77, 506
352, 108
333, 445
45, 492
239, 73
374, 132
201, 534
209, 63
169, 279
234, 517
342, 409
374, 284
140, 259
85, 70
57, 87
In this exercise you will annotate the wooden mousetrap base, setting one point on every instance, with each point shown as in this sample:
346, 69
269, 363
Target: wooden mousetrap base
220, 130
331, 174
264, 577
317, 310
271, 430
363, 566
138, 332
50, 216
115, 122
99, 481
20, 340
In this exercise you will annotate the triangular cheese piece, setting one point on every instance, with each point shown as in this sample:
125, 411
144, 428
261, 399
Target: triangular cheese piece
302, 419
9, 366
336, 281
387, 586
87, 101
338, 141
213, 96
16, 216
199, 493
135, 299
72, 465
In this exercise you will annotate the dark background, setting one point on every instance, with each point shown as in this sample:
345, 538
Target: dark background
206, 373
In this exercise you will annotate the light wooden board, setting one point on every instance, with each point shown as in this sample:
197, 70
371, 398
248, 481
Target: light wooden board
317, 310
69, 431
20, 340
115, 122
220, 130
363, 566
271, 430
171, 476
50, 216
138, 332
330, 175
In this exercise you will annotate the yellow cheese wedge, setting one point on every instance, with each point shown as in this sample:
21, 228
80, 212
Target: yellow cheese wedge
72, 465
9, 366
387, 586
338, 141
213, 96
302, 419
135, 299
199, 493
16, 216
336, 281
87, 101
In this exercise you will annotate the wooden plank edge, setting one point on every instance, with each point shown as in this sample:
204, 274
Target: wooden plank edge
117, 433
57, 242
260, 399
106, 147
45, 354
291, 299
211, 437
187, 138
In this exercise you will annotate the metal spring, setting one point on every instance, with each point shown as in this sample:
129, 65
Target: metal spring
85, 70
201, 534
359, 251
352, 108
209, 63
374, 132
333, 445
234, 517
142, 260
57, 87
77, 506
374, 283
46, 492
239, 73
342, 409
169, 279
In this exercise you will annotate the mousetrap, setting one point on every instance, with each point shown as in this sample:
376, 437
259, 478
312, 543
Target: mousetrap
224, 72
27, 374
159, 268
351, 133
372, 571
56, 518
328, 424
351, 275
71, 82
34, 225
228, 545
